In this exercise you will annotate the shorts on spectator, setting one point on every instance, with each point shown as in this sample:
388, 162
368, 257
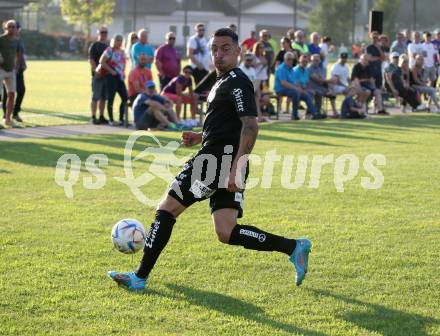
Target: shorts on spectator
430, 74
9, 79
146, 121
99, 89
185, 98
339, 89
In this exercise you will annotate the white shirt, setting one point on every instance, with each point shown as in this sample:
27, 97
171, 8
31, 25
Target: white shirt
260, 70
324, 50
250, 72
414, 49
429, 55
201, 50
342, 72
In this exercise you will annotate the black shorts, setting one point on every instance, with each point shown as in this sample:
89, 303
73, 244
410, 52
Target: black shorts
204, 176
146, 121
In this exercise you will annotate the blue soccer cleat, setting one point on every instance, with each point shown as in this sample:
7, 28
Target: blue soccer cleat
128, 280
300, 258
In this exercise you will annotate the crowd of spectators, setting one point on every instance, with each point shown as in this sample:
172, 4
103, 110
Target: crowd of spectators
404, 69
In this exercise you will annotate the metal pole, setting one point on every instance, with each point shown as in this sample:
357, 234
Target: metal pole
294, 14
134, 15
353, 22
185, 24
239, 18
414, 15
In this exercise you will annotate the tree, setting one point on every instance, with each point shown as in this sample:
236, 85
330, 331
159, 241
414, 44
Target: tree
333, 18
390, 9
88, 12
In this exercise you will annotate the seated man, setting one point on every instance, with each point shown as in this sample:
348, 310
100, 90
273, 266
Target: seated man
320, 86
151, 111
175, 89
138, 77
340, 75
284, 82
395, 84
303, 83
363, 74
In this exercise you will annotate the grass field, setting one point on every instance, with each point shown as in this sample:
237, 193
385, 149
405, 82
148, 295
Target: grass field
374, 269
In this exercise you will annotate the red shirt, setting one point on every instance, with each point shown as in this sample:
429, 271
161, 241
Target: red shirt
169, 58
139, 75
249, 43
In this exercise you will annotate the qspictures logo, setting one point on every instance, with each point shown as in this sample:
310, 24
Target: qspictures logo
161, 158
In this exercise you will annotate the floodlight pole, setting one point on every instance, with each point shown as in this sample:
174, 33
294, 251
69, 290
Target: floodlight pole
239, 18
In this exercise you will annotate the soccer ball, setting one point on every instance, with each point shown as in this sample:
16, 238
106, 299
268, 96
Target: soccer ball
128, 236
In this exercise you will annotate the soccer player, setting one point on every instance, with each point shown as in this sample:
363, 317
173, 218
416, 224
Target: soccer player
229, 134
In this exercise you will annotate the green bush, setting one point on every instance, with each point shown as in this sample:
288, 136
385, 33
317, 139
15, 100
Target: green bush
39, 44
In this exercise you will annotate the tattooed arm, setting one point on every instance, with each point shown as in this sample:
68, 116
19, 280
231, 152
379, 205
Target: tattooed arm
249, 132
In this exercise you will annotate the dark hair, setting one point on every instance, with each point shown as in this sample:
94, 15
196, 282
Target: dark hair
326, 39
286, 39
427, 33
226, 32
187, 67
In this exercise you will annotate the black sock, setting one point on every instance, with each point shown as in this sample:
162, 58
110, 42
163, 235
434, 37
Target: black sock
157, 238
253, 238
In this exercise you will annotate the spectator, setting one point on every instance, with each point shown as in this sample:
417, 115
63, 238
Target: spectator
406, 38
167, 60
319, 85
249, 70
340, 75
399, 46
362, 74
420, 85
350, 108
113, 66
132, 39
385, 46
376, 58
325, 50
314, 47
153, 111
248, 44
299, 43
274, 44
198, 53
343, 49
394, 82
233, 27
415, 48
261, 64
436, 42
269, 53
21, 89
302, 82
430, 56
286, 45
10, 51
142, 47
291, 34
138, 77
285, 82
175, 89
99, 86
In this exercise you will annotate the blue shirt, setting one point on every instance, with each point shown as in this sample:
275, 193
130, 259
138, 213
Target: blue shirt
314, 49
139, 106
283, 72
301, 76
138, 49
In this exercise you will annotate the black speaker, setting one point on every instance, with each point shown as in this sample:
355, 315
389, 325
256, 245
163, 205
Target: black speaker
376, 21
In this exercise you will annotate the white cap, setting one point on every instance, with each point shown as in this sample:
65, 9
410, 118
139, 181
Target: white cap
394, 54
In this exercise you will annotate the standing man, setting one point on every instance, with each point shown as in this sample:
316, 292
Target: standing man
415, 48
167, 60
430, 60
269, 53
376, 58
142, 47
10, 52
99, 87
20, 87
248, 44
198, 53
230, 127
399, 46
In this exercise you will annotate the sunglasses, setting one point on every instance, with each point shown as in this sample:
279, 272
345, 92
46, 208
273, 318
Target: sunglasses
103, 32
171, 38
11, 26
188, 72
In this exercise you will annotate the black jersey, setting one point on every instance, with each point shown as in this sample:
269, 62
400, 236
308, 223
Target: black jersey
231, 97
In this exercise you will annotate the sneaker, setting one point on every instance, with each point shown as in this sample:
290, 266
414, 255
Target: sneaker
103, 121
17, 118
95, 121
421, 107
300, 259
434, 109
128, 280
12, 123
383, 112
